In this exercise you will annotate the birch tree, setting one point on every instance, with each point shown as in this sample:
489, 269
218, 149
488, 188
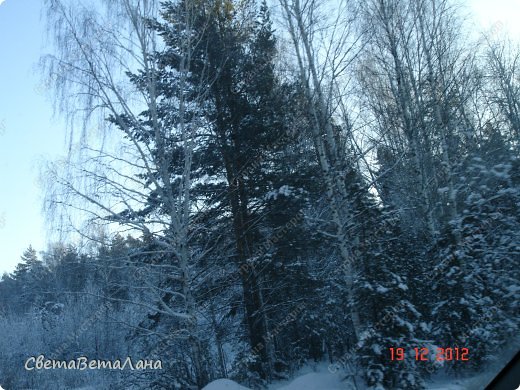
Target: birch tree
106, 66
321, 72
503, 91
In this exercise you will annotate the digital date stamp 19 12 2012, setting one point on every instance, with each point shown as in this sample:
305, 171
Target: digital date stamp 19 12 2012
424, 354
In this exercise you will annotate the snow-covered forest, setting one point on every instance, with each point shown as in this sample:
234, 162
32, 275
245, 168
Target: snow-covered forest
254, 187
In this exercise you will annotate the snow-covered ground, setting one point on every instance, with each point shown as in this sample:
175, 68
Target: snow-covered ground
310, 377
224, 384
317, 377
315, 381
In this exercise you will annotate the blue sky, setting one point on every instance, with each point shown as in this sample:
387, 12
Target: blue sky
29, 136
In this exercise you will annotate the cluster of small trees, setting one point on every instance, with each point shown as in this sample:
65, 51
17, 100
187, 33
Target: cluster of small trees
285, 190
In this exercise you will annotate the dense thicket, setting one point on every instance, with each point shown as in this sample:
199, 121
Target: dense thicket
357, 191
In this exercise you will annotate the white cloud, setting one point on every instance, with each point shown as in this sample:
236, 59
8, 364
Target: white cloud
504, 12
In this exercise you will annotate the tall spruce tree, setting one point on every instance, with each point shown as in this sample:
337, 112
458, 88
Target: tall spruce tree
247, 122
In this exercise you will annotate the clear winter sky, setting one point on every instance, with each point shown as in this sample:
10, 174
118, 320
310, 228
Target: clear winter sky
29, 135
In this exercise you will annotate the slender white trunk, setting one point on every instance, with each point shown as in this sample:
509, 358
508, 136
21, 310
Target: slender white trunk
330, 158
